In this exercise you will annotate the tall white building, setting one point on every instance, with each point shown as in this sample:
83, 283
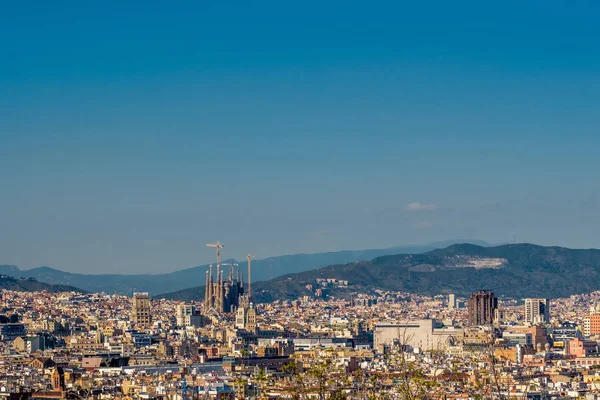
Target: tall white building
537, 311
451, 301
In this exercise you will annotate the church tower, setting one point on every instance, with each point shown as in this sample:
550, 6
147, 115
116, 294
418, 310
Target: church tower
58, 379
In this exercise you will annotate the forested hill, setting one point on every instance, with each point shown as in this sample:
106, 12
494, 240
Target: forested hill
515, 270
32, 285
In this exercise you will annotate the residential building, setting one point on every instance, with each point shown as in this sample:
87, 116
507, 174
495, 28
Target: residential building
11, 331
246, 319
187, 315
591, 325
451, 301
582, 348
29, 344
537, 311
141, 314
538, 333
515, 338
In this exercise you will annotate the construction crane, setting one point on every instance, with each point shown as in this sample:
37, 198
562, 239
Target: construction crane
218, 246
250, 257
232, 265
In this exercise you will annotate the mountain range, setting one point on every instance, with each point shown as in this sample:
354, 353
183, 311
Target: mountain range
32, 285
515, 270
262, 270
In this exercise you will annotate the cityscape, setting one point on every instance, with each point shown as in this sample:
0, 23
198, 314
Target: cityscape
406, 197
377, 345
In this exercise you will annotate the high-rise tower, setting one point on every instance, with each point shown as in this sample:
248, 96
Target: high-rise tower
537, 310
451, 301
482, 305
140, 312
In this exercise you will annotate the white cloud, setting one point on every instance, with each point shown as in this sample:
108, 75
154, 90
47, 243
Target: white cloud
321, 232
416, 206
423, 224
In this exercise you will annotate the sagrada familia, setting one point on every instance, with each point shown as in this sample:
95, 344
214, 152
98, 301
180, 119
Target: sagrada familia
223, 296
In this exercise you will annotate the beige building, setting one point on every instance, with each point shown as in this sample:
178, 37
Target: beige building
187, 315
424, 334
241, 317
451, 301
246, 319
141, 312
83, 343
29, 344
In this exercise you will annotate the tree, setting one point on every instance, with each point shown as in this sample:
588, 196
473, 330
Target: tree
240, 387
261, 378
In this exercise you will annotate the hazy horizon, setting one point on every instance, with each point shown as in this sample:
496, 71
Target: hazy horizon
443, 244
241, 259
132, 136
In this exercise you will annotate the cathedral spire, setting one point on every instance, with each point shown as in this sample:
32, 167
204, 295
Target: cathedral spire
210, 288
221, 294
206, 285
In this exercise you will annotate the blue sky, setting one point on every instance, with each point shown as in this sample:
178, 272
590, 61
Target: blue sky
131, 134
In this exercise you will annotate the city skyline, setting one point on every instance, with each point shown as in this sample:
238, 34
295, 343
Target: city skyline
322, 200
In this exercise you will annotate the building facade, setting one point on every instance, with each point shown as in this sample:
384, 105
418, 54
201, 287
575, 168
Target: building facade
482, 306
581, 347
425, 334
451, 301
591, 325
187, 315
141, 314
246, 319
11, 331
537, 311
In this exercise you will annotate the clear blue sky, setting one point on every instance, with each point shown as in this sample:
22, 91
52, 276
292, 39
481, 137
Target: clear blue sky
131, 134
